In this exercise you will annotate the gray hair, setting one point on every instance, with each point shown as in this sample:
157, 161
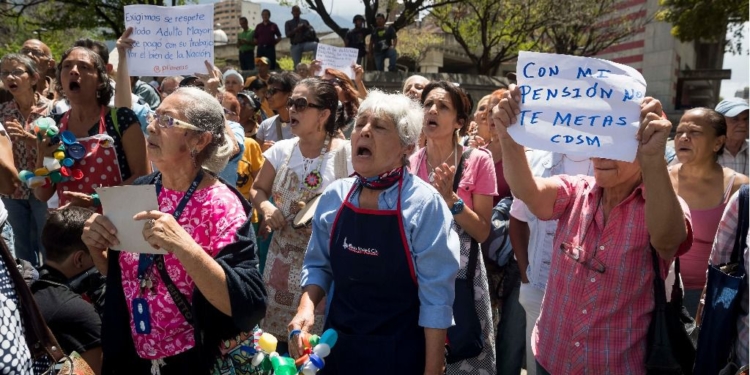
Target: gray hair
416, 76
205, 112
24, 60
176, 79
407, 114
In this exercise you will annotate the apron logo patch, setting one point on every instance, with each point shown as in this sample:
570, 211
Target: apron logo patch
359, 250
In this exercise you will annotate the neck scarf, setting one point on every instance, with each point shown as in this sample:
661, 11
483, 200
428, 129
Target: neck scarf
381, 182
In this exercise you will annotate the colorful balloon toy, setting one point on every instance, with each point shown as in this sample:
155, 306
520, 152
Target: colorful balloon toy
57, 168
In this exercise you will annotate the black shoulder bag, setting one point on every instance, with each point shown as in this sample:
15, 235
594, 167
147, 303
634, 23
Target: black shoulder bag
465, 338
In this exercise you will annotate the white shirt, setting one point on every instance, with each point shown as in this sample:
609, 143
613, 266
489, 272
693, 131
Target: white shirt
3, 211
277, 155
737, 163
542, 233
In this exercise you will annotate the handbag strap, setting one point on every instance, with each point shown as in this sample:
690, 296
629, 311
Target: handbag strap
677, 295
740, 240
660, 293
179, 299
474, 249
277, 123
38, 336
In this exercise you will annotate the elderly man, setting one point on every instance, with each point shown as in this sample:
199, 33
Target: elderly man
301, 36
168, 85
735, 112
596, 316
42, 56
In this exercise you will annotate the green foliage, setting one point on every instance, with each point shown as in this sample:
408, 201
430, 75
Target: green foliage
413, 42
706, 20
286, 63
105, 16
16, 33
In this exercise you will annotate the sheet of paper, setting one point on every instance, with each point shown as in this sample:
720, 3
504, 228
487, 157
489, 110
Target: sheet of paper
339, 58
119, 205
170, 40
579, 106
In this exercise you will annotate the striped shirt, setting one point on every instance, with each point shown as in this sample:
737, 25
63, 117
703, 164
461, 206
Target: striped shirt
737, 163
592, 322
721, 254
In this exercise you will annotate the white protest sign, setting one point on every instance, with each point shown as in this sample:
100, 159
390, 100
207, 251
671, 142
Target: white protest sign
578, 105
119, 205
170, 40
339, 58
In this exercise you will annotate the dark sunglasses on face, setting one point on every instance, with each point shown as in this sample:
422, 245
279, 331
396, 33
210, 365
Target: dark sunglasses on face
301, 103
272, 91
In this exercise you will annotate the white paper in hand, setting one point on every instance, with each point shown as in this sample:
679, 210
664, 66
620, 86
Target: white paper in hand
119, 205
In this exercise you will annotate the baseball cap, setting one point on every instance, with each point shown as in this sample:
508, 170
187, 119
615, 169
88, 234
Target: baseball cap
732, 107
263, 60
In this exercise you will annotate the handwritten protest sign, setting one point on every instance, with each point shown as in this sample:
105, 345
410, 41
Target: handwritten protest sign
339, 58
170, 40
578, 105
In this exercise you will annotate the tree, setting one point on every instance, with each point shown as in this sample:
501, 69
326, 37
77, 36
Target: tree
409, 11
414, 42
14, 34
490, 31
707, 20
108, 17
586, 27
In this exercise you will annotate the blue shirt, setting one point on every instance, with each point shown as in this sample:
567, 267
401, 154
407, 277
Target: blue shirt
229, 173
427, 224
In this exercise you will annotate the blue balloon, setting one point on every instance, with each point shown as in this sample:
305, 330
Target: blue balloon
68, 137
330, 336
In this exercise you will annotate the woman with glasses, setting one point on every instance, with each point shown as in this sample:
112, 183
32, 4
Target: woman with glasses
348, 100
446, 113
277, 128
612, 228
26, 213
106, 145
295, 172
168, 313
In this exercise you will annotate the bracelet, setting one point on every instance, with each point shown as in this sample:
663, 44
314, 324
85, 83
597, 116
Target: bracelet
97, 202
294, 332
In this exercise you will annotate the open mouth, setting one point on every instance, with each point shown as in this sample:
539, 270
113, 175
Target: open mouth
293, 121
12, 86
74, 86
432, 123
364, 151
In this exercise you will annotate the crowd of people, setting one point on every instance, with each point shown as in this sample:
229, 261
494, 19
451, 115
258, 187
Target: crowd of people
301, 202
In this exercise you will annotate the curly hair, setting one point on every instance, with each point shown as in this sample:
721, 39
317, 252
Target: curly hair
104, 90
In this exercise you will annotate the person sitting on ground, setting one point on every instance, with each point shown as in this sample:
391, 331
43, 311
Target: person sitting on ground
705, 186
74, 321
611, 228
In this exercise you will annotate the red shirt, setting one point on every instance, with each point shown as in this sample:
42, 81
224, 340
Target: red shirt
265, 33
591, 322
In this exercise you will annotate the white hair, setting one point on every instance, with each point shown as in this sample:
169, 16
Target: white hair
407, 114
415, 77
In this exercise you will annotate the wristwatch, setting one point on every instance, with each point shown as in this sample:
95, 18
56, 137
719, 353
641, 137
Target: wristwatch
457, 207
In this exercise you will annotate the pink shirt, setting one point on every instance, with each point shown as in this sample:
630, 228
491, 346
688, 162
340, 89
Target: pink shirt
478, 176
591, 322
211, 218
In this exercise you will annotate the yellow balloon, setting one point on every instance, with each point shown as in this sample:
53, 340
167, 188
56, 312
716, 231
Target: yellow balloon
59, 155
267, 342
41, 172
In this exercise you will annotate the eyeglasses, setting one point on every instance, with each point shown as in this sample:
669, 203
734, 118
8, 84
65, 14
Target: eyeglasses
577, 254
272, 91
167, 121
300, 104
15, 73
33, 52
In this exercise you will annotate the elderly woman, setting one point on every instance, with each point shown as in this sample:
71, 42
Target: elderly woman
383, 253
233, 81
110, 142
26, 214
209, 262
598, 304
705, 186
296, 171
446, 113
414, 85
348, 97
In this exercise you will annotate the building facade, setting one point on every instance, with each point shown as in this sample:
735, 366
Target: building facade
227, 15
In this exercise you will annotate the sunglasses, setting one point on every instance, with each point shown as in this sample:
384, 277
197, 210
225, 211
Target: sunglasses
15, 73
167, 121
272, 91
300, 104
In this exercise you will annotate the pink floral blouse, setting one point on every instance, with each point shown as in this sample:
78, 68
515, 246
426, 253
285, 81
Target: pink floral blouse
211, 217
